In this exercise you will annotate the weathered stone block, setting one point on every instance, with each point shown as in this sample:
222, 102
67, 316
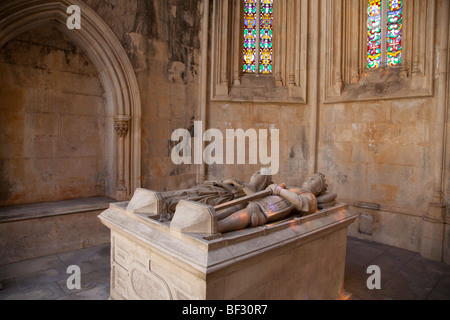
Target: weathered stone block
371, 112
30, 231
366, 223
266, 114
407, 155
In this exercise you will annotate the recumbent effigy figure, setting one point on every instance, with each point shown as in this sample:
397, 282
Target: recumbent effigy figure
281, 202
214, 193
276, 202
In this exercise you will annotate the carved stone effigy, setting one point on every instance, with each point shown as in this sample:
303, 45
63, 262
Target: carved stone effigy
299, 257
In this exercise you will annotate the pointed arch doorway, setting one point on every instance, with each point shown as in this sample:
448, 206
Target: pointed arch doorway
121, 94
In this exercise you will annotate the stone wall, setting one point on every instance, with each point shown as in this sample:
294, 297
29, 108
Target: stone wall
376, 135
379, 155
380, 138
162, 39
63, 99
293, 126
64, 95
52, 121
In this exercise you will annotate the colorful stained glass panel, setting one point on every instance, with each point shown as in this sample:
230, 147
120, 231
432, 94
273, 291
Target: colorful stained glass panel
374, 34
265, 37
394, 33
249, 62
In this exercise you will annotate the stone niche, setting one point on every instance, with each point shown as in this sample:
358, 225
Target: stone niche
295, 258
69, 129
53, 120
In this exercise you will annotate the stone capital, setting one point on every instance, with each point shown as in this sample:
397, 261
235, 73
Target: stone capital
121, 125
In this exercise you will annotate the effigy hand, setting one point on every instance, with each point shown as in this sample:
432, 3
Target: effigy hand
276, 189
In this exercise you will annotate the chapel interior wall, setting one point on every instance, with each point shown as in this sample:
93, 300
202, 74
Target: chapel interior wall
378, 151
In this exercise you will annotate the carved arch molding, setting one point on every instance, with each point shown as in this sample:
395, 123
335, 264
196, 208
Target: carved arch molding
103, 49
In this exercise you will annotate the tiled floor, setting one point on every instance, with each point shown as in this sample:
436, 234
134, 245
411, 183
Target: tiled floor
46, 278
404, 275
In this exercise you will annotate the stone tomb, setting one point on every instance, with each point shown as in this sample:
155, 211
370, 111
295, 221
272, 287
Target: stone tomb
295, 258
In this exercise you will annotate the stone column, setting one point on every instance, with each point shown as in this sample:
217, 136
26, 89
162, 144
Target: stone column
224, 77
433, 232
446, 252
353, 42
121, 126
337, 39
203, 93
237, 37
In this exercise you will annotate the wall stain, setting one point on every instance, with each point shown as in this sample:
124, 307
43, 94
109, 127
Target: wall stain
6, 187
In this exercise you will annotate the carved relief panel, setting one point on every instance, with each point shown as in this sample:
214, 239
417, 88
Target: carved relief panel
139, 275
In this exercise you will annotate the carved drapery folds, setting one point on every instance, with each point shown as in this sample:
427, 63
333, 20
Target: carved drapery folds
287, 84
345, 50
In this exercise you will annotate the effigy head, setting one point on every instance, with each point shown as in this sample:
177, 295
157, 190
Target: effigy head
316, 184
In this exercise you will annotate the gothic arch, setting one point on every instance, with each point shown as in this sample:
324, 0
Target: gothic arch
103, 49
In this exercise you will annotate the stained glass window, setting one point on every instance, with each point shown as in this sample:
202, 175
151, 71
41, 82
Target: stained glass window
394, 33
374, 34
258, 28
265, 42
249, 36
384, 26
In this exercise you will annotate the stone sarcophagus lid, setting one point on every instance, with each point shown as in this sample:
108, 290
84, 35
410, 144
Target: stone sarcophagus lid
299, 257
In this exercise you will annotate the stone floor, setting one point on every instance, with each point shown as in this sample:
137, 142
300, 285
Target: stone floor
46, 278
404, 275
